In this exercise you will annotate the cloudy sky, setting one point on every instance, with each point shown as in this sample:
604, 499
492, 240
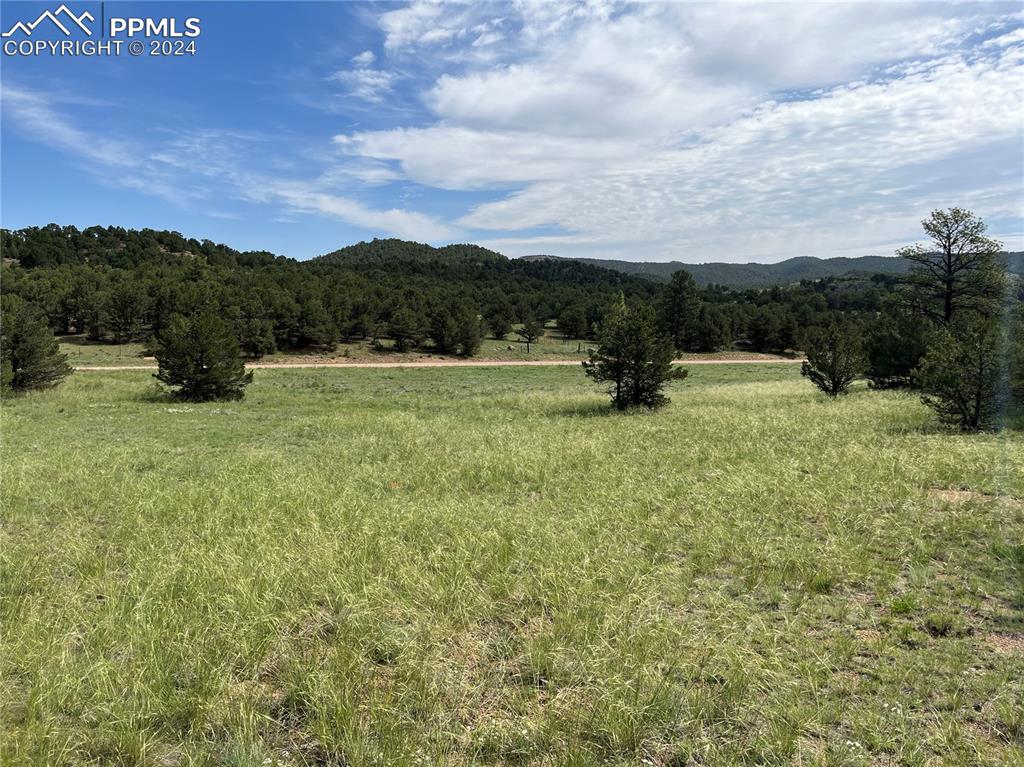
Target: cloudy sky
692, 132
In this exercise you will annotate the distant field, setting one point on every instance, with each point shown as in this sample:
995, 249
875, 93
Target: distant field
82, 353
486, 566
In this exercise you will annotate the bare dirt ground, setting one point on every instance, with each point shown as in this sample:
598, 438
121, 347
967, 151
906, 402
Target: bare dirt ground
442, 364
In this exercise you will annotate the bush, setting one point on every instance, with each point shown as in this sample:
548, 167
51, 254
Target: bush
894, 347
964, 374
30, 357
633, 358
199, 356
834, 359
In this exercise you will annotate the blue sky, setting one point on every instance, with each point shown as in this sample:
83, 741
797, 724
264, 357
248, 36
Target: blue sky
694, 132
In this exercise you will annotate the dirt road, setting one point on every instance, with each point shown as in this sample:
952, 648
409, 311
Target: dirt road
431, 364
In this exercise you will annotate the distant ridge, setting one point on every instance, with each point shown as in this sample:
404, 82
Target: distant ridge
753, 275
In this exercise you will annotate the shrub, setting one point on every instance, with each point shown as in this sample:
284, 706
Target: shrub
30, 357
199, 357
834, 359
894, 348
633, 358
964, 374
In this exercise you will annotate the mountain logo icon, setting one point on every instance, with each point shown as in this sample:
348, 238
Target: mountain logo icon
63, 12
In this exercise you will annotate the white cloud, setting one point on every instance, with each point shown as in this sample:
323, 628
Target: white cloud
736, 131
367, 84
396, 222
37, 117
364, 59
203, 164
853, 168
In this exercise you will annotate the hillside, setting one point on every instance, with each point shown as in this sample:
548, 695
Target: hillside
752, 275
389, 251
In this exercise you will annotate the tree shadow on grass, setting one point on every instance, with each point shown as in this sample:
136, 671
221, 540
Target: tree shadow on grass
155, 393
584, 409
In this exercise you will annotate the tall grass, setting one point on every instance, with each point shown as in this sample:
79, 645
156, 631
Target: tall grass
486, 566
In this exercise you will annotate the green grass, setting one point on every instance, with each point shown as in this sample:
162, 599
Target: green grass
552, 346
486, 566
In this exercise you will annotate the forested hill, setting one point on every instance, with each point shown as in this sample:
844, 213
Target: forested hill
393, 251
463, 261
751, 275
115, 284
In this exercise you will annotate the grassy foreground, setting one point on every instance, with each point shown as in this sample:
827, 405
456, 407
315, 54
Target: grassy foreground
485, 566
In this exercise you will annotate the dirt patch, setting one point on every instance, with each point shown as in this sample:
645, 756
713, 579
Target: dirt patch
1010, 644
957, 496
869, 636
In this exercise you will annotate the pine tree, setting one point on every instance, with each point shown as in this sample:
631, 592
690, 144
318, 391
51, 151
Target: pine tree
680, 310
444, 331
834, 359
30, 357
894, 347
469, 332
406, 328
499, 319
632, 358
714, 330
964, 374
256, 337
958, 270
531, 330
199, 356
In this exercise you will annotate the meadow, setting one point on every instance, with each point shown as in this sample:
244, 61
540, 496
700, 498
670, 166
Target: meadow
487, 566
81, 352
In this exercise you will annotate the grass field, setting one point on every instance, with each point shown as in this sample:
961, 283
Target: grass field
81, 352
486, 566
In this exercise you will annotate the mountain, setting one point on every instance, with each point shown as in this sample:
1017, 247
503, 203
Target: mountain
751, 275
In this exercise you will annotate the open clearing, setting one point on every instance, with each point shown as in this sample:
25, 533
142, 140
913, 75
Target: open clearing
552, 350
439, 363
486, 566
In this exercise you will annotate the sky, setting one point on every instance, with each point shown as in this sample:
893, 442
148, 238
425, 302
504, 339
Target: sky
679, 131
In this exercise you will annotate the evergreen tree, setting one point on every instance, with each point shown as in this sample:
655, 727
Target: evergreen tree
199, 357
445, 332
531, 330
126, 307
315, 326
772, 328
894, 347
834, 359
632, 358
30, 357
406, 328
714, 331
964, 373
1016, 341
470, 331
572, 322
680, 310
256, 337
958, 270
499, 318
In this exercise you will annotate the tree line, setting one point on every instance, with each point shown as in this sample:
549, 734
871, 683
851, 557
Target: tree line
116, 285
